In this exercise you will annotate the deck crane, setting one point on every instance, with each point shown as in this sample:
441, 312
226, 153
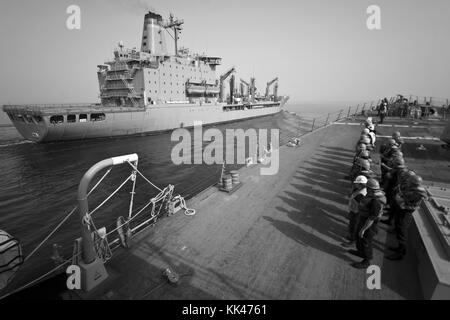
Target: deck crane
222, 81
268, 86
248, 88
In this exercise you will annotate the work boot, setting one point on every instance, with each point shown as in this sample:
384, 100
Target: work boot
364, 264
355, 253
395, 256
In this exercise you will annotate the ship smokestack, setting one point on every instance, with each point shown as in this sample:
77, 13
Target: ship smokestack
153, 36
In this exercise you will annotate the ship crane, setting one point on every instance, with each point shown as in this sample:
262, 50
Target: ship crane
248, 88
268, 86
222, 81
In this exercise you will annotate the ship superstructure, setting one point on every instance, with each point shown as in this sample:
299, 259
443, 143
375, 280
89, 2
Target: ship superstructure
150, 90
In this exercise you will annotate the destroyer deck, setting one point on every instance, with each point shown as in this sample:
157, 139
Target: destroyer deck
277, 237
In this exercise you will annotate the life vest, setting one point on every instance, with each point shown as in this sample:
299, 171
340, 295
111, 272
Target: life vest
366, 204
373, 137
410, 199
352, 203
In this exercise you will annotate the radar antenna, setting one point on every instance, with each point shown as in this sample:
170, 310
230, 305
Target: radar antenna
174, 24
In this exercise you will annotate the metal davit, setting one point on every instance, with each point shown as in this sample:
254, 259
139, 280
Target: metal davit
94, 249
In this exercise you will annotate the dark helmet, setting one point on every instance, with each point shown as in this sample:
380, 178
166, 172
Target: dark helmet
415, 180
392, 142
396, 153
365, 164
373, 184
398, 162
361, 146
396, 135
364, 139
365, 154
393, 148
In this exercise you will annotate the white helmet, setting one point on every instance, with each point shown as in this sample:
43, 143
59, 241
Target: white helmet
360, 179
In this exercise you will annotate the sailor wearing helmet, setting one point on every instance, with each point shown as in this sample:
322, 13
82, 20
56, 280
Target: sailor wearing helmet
370, 210
358, 193
406, 200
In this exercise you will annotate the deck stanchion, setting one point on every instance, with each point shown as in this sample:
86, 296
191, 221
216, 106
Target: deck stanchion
348, 113
312, 128
93, 271
356, 111
339, 116
326, 121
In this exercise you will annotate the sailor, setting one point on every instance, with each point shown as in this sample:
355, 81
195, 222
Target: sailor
366, 132
391, 183
368, 122
360, 147
369, 212
359, 166
398, 139
383, 109
372, 134
407, 200
363, 154
358, 193
368, 173
364, 139
386, 152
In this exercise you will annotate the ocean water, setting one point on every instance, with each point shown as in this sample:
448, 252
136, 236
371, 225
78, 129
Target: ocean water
38, 184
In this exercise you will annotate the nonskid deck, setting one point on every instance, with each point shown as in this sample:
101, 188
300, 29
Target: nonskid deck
277, 237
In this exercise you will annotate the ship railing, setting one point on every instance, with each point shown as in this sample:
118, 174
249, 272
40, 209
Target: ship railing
37, 108
125, 75
120, 85
437, 108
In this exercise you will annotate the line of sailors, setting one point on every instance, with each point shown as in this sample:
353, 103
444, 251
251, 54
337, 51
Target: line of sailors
398, 194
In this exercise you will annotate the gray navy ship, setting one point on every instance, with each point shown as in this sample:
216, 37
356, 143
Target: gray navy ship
150, 91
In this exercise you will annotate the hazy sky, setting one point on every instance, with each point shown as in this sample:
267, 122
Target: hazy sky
319, 49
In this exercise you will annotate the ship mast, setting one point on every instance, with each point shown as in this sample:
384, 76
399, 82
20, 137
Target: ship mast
174, 24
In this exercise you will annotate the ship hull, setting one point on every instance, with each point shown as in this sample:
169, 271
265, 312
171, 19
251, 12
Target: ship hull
149, 120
